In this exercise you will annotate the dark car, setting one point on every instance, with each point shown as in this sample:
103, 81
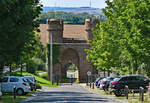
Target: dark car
134, 82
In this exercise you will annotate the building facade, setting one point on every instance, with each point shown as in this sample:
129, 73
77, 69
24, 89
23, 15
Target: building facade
73, 41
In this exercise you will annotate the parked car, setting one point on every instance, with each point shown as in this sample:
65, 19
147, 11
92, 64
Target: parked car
97, 80
134, 82
9, 82
105, 83
32, 82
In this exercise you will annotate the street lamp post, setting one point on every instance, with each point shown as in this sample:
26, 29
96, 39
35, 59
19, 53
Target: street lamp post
51, 57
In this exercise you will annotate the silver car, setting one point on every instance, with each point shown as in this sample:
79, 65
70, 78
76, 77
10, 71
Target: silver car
32, 82
9, 82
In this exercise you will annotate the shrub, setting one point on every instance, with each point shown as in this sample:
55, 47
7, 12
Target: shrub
38, 86
43, 75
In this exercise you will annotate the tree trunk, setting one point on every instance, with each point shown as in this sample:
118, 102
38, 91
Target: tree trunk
104, 73
21, 70
1, 68
108, 73
10, 69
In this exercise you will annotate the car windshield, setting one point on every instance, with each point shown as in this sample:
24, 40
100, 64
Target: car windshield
104, 79
110, 78
31, 78
116, 79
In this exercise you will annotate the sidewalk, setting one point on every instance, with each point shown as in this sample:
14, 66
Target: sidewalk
97, 91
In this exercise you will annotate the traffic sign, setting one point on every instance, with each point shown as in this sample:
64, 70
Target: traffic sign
88, 73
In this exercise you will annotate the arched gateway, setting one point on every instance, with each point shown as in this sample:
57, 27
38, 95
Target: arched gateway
73, 41
68, 57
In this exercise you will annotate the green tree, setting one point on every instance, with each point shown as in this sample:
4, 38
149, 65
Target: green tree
68, 18
18, 20
33, 53
123, 41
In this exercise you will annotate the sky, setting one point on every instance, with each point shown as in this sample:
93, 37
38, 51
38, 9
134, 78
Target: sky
74, 3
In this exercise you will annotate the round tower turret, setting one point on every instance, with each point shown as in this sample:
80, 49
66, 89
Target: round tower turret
89, 25
56, 27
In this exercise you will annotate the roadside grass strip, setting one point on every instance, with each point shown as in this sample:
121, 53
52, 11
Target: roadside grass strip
9, 97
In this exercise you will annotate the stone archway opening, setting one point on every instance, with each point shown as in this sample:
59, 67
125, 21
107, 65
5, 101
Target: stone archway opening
70, 64
72, 71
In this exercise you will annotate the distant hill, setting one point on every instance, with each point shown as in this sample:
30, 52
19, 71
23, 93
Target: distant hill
95, 11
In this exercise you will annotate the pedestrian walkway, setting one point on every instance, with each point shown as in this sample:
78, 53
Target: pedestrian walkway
75, 93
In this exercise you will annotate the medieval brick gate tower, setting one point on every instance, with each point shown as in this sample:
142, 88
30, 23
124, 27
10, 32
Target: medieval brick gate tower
73, 41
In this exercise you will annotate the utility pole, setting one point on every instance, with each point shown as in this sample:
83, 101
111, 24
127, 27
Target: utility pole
90, 4
51, 57
132, 68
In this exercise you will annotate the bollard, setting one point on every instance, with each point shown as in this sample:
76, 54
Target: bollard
87, 80
93, 86
71, 81
126, 91
57, 81
141, 94
14, 92
149, 89
90, 82
133, 93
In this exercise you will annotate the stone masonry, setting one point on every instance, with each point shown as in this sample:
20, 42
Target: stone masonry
71, 49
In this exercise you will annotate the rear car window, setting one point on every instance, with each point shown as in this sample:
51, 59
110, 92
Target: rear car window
142, 78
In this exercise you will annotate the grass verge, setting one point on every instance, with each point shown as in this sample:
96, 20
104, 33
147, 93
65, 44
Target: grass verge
8, 98
131, 99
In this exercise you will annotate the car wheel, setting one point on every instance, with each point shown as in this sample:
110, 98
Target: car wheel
104, 89
20, 92
118, 93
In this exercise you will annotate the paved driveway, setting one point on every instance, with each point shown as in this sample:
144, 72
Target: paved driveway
68, 94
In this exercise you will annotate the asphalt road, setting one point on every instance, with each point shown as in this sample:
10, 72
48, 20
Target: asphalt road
75, 93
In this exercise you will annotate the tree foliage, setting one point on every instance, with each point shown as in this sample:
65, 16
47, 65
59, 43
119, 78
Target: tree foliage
18, 19
123, 41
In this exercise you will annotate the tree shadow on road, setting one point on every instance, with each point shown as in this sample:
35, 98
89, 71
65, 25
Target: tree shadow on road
71, 97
